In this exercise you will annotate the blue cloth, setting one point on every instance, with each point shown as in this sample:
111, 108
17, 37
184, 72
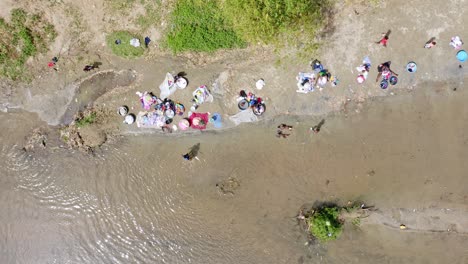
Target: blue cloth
216, 120
147, 41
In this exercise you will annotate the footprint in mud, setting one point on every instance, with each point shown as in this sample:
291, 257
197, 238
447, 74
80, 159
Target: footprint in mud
228, 186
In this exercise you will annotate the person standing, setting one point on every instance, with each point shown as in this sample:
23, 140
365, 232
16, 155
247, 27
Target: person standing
384, 39
384, 69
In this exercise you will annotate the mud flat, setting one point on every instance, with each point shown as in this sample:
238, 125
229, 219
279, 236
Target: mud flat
93, 87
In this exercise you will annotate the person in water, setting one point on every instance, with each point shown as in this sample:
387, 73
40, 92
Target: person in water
192, 153
281, 134
317, 127
284, 126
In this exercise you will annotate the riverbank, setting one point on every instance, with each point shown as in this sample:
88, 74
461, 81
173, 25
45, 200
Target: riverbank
228, 73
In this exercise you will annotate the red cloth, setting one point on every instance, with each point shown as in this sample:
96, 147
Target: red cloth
203, 116
384, 41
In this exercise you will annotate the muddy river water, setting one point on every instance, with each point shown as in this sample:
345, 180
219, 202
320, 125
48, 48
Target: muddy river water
138, 201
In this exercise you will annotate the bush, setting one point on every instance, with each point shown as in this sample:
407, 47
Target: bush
86, 120
198, 25
325, 225
263, 20
24, 37
124, 49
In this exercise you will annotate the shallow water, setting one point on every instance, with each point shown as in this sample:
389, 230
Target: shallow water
138, 201
92, 88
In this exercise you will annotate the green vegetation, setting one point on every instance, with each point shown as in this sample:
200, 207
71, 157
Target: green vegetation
86, 120
124, 49
198, 25
324, 224
209, 25
120, 5
265, 20
25, 36
356, 221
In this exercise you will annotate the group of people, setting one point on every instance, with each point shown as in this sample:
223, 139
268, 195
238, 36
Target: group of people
308, 81
285, 130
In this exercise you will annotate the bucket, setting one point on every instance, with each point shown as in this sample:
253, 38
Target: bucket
243, 104
181, 83
411, 67
384, 84
123, 110
462, 55
393, 80
169, 113
129, 119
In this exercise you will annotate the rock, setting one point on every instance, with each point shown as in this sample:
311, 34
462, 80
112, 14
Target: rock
37, 139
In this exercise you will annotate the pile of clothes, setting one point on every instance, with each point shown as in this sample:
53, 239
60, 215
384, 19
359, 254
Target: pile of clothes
363, 70
308, 81
163, 113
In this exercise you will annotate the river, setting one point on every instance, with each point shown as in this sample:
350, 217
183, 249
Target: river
137, 201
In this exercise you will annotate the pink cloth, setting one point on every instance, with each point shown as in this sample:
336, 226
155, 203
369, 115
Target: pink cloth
147, 100
204, 117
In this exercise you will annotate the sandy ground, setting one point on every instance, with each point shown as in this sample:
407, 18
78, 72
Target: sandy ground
356, 28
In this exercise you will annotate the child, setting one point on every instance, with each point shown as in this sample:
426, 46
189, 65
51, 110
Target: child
430, 43
384, 39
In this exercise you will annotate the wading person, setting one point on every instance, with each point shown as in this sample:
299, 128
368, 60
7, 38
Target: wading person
317, 127
192, 153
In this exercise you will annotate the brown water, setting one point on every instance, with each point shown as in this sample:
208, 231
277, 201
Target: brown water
138, 201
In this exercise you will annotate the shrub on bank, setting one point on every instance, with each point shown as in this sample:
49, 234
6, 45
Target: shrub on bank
25, 36
124, 49
324, 224
198, 25
85, 120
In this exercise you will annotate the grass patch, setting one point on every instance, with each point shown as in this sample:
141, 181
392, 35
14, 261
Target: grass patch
266, 20
324, 224
151, 16
209, 25
123, 6
198, 25
25, 36
86, 120
124, 49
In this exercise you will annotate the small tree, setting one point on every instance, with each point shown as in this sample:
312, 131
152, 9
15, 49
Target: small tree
325, 225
